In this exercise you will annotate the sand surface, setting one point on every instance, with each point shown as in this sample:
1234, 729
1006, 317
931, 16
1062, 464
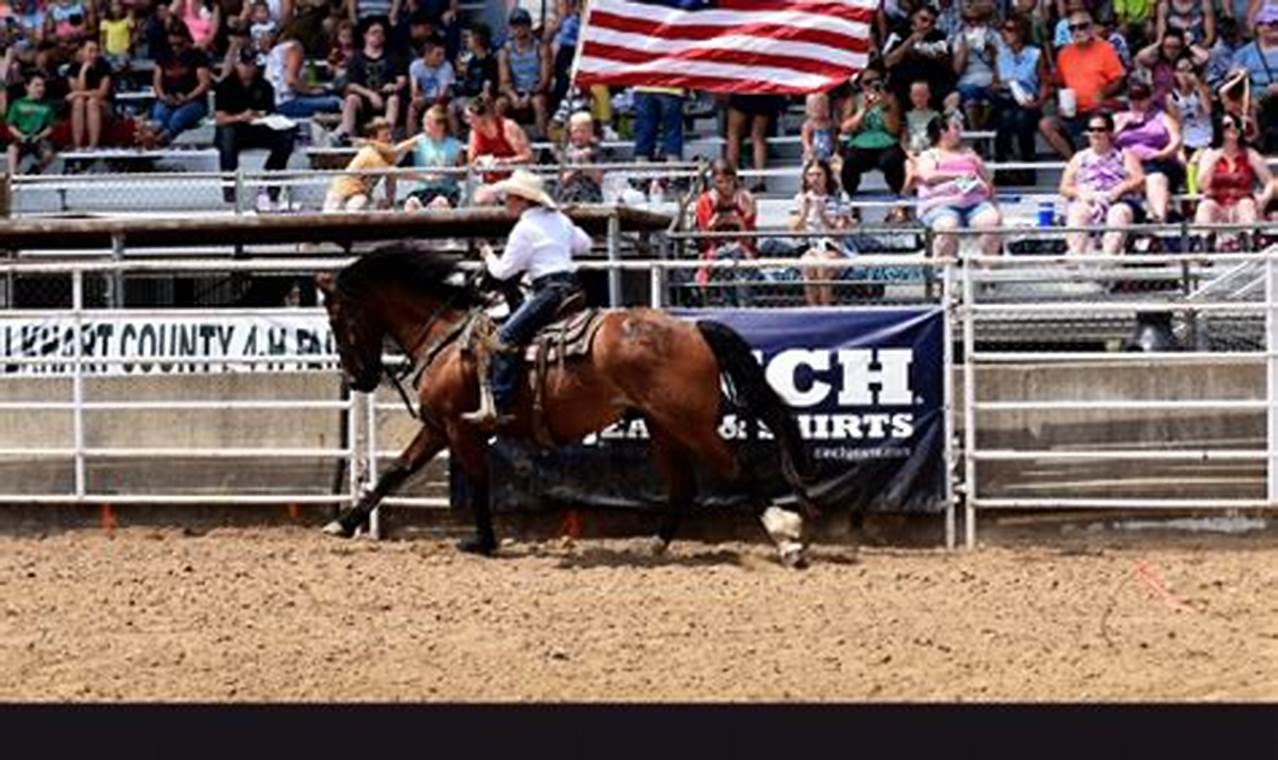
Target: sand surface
284, 613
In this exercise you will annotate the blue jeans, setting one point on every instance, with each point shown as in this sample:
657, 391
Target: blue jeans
175, 121
658, 110
535, 313
306, 106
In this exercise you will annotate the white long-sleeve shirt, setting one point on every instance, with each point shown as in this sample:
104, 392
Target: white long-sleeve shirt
542, 242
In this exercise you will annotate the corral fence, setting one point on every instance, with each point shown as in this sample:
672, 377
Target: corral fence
1048, 405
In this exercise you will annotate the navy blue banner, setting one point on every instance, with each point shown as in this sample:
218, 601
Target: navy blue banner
867, 392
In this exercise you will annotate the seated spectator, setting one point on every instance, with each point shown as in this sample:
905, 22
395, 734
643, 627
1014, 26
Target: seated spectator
119, 32
1022, 87
1153, 137
1136, 18
724, 207
1195, 19
1089, 68
409, 30
871, 130
181, 81
818, 132
262, 26
1189, 104
1099, 182
477, 74
442, 19
202, 18
1158, 61
294, 97
430, 79
1221, 55
524, 68
90, 97
66, 21
240, 100
155, 30
1260, 59
375, 81
341, 52
955, 189
917, 118
818, 208
30, 123
580, 185
922, 55
354, 192
495, 141
436, 149
1231, 175
974, 47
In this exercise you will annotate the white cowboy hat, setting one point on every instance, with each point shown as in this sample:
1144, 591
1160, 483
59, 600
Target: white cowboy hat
526, 185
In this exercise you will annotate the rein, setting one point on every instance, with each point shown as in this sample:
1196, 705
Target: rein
411, 367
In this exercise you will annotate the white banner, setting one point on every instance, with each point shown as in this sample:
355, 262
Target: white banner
167, 345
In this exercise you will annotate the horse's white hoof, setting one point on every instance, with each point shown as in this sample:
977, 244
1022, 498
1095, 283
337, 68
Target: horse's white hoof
334, 528
792, 555
653, 546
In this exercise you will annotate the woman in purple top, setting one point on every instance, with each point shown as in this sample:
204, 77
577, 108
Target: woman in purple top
1154, 138
1096, 182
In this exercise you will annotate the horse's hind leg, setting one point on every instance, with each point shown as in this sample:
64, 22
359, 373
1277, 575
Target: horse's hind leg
428, 442
675, 463
783, 527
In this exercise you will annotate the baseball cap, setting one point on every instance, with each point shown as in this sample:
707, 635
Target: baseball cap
1268, 15
520, 16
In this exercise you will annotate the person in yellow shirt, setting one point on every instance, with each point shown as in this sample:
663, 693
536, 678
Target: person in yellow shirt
117, 33
354, 192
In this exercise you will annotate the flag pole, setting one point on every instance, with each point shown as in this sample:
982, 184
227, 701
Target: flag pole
581, 40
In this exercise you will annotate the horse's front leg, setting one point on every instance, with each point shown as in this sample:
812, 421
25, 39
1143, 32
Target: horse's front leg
428, 442
471, 452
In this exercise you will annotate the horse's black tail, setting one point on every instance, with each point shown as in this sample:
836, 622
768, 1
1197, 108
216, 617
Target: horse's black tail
748, 384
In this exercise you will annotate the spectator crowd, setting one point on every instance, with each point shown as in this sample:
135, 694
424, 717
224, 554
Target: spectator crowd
1145, 102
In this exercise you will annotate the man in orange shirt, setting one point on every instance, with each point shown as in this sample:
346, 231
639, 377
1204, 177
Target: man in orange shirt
1090, 68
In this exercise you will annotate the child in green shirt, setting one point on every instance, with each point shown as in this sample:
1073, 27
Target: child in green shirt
30, 122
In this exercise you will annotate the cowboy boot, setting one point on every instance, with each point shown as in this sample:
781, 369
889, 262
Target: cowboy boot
494, 407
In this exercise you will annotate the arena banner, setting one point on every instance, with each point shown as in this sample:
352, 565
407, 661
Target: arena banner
166, 345
867, 390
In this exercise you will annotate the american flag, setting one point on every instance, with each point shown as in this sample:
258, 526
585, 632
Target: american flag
742, 46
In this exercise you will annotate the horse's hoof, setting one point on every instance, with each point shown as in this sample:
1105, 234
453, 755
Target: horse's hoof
793, 557
654, 546
486, 547
335, 528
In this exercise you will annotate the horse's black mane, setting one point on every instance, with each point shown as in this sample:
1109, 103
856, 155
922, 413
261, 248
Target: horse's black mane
417, 269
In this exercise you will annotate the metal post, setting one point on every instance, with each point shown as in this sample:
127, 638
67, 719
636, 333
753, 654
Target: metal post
969, 407
1271, 376
77, 381
947, 400
352, 445
614, 258
657, 285
6, 194
239, 192
370, 443
115, 295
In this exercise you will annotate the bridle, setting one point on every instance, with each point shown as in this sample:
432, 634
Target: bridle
411, 366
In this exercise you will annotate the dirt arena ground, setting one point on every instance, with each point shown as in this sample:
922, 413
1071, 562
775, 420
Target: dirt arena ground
284, 613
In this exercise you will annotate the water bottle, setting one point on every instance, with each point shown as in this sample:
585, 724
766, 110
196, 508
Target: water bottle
656, 193
1046, 213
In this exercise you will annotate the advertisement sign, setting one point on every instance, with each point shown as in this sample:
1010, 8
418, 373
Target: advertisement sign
867, 391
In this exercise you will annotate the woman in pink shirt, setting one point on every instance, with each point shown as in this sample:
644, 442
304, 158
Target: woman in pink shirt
202, 19
955, 189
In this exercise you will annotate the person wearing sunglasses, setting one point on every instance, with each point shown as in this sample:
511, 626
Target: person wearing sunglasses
1098, 182
1158, 61
1147, 132
1022, 87
871, 132
1091, 69
1229, 174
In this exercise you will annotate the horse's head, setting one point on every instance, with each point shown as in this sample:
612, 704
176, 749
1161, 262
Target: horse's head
359, 336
